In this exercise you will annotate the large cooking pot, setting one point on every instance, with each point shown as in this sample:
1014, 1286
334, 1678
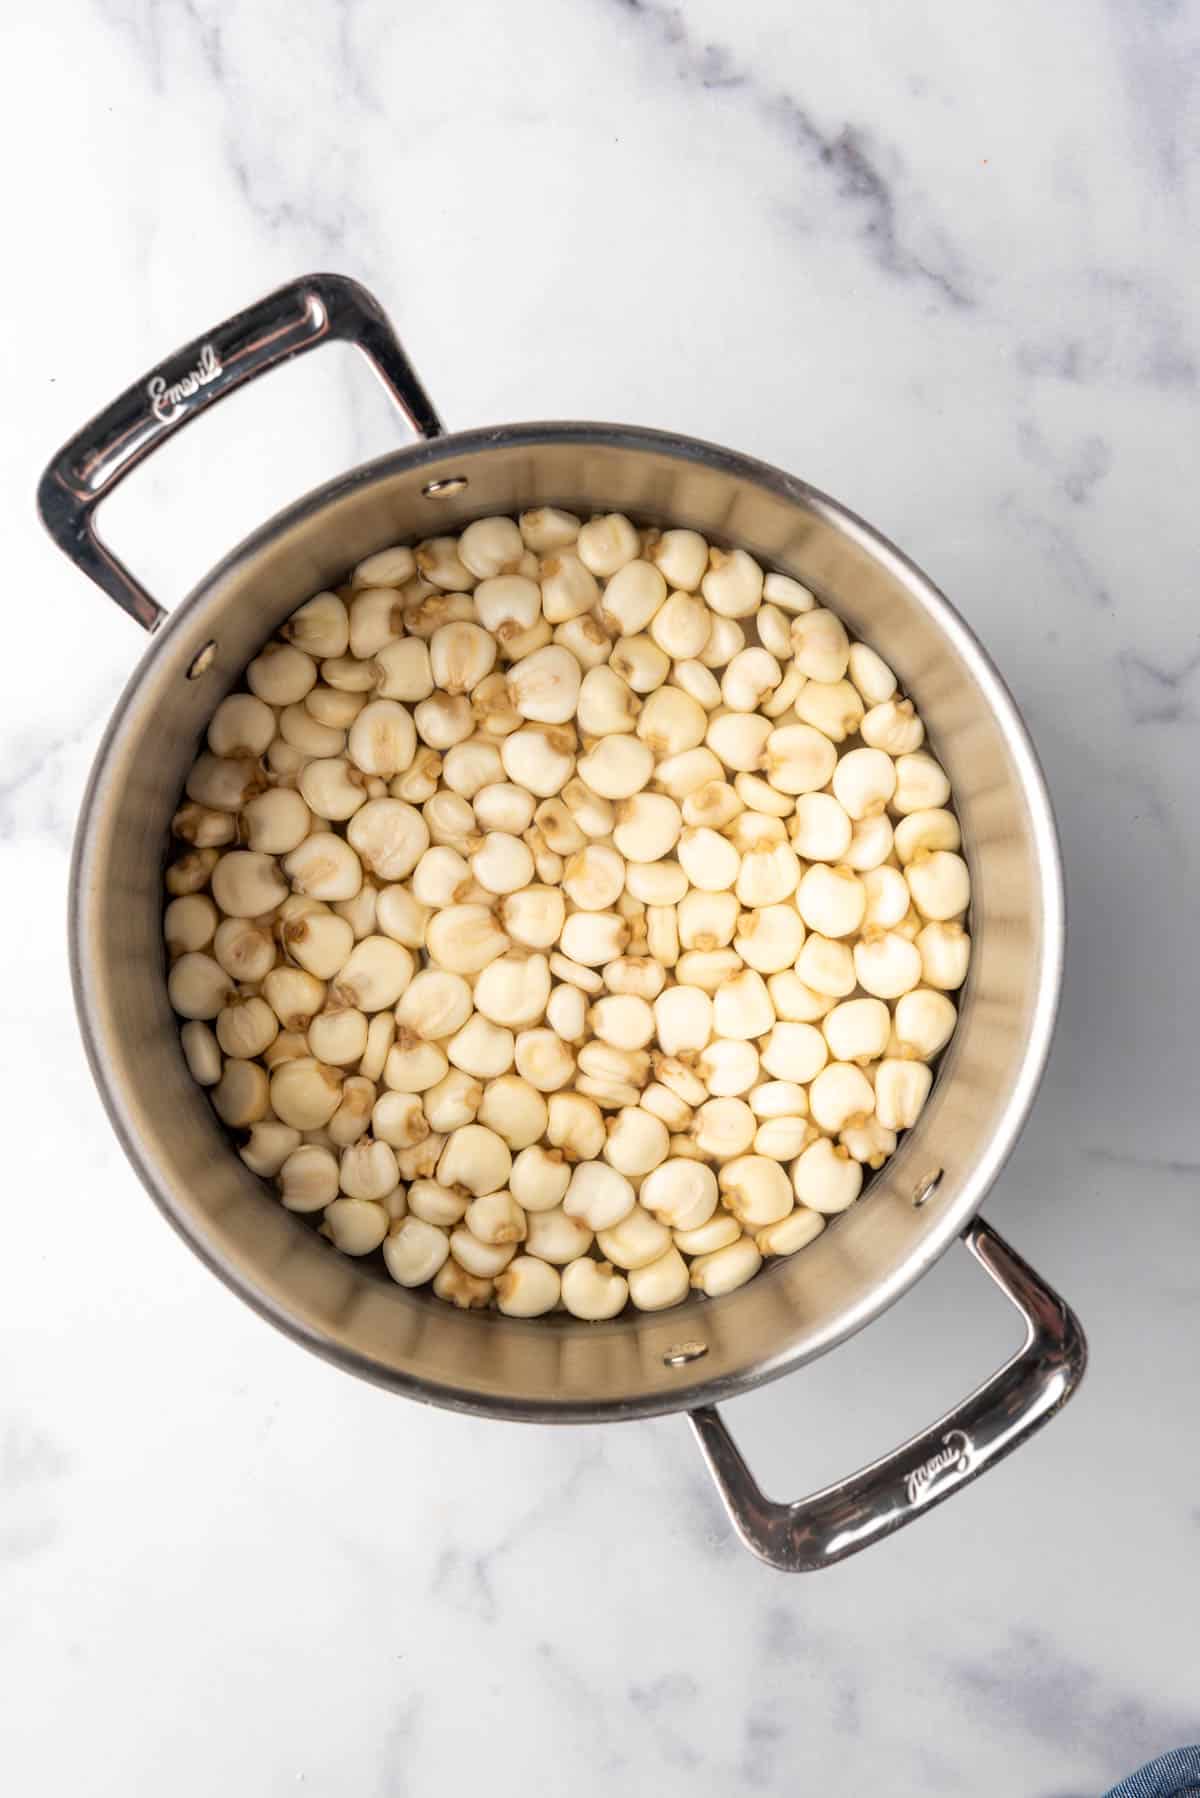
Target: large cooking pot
558, 1369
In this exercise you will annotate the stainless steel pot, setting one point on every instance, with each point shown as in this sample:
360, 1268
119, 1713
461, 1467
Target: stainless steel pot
558, 1369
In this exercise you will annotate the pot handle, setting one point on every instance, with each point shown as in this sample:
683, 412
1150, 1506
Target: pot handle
294, 319
996, 1418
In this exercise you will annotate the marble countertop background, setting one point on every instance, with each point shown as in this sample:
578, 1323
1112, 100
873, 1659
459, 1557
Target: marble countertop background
942, 263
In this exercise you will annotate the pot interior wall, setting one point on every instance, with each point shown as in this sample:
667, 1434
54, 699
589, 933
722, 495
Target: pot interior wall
795, 1308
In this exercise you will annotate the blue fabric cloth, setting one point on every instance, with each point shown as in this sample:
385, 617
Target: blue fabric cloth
1174, 1775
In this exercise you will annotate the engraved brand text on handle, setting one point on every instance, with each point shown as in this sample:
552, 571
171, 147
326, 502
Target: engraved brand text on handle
167, 402
955, 1452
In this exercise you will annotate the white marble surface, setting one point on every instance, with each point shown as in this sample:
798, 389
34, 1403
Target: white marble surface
942, 263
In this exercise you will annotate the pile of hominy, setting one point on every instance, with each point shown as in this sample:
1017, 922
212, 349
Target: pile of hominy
568, 911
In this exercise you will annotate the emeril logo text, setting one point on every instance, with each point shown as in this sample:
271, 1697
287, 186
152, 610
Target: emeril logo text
955, 1452
167, 402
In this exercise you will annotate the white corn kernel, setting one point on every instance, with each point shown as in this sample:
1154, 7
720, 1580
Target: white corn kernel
637, 1141
707, 920
553, 1236
414, 1251
870, 843
419, 1162
778, 1098
617, 766
758, 795
886, 963
825, 1178
887, 897
671, 722
453, 1102
939, 883
466, 1292
241, 727
437, 559
945, 950
623, 1020
598, 1195
925, 831
742, 1008
189, 923
513, 989
607, 543
893, 726
305, 1093
545, 686
463, 939
646, 828
827, 966
435, 1004
832, 707
681, 627
707, 969
403, 670
756, 1190
725, 638
398, 1121
708, 859
203, 827
502, 806
434, 1204
224, 783
569, 588
375, 974
662, 936
368, 1169
444, 719
726, 1269
593, 1290
586, 639
476, 1159
791, 1233
720, 1230
640, 662
740, 739
544, 1059
490, 546
870, 674
503, 865
308, 1179
769, 939
546, 528
749, 678
694, 678
782, 1139
768, 873
901, 1089
294, 995
781, 590
515, 1109
198, 986
733, 585
539, 1178
683, 1020
728, 1068
538, 758
412, 1065
324, 867
831, 900
496, 1218
820, 645
382, 739
481, 1048
268, 1146
528, 1287
202, 1052
682, 557
921, 784
635, 1241
661, 1283
281, 675
839, 1095
924, 1021
246, 1026
723, 1128
868, 1141
400, 915
794, 1051
681, 1194
798, 759
858, 1029
245, 884
662, 1103
332, 786
441, 877
467, 768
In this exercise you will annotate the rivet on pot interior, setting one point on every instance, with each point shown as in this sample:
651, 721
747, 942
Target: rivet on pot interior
926, 1188
202, 661
683, 1352
446, 488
